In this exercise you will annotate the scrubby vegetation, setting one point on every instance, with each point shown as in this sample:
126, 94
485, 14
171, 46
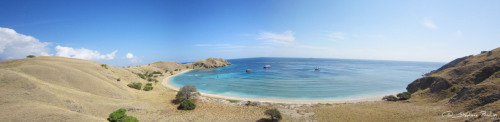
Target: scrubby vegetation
274, 113
187, 105
157, 72
118, 79
404, 95
171, 73
250, 103
400, 96
390, 98
141, 76
129, 119
30, 56
135, 85
120, 116
148, 87
104, 66
185, 93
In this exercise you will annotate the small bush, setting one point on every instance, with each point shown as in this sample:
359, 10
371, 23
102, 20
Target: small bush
118, 79
117, 115
157, 72
135, 85
171, 73
141, 76
104, 66
148, 87
249, 103
129, 119
166, 71
156, 81
404, 95
150, 75
390, 98
274, 113
120, 116
187, 105
185, 93
187, 67
30, 56
176, 70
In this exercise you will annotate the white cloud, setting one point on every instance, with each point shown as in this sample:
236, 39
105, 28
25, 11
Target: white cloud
286, 38
336, 36
429, 24
14, 45
83, 53
130, 55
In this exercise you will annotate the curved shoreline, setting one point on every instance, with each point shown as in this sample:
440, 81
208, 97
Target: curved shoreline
165, 82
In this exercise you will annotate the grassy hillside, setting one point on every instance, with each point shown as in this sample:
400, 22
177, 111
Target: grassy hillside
467, 84
67, 89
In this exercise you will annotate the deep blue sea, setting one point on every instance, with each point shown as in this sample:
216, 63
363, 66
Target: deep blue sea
297, 79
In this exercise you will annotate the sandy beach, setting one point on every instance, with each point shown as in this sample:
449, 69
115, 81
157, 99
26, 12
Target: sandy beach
166, 83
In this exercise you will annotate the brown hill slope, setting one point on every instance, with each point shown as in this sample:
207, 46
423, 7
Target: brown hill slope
470, 83
57, 88
68, 89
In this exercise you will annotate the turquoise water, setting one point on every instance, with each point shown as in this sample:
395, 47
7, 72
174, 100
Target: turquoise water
297, 79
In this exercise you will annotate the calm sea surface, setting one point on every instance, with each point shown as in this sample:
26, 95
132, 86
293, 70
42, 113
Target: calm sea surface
297, 79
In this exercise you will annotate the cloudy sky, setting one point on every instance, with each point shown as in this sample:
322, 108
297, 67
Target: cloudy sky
139, 32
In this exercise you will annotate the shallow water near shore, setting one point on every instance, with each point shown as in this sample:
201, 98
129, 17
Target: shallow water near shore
297, 79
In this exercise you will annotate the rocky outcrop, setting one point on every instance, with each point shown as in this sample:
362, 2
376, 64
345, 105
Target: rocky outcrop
435, 84
211, 63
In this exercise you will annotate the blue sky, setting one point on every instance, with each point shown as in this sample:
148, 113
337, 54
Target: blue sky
189, 30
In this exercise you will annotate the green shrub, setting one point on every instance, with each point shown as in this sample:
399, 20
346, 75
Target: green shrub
185, 93
141, 76
187, 105
171, 73
187, 67
166, 71
104, 66
150, 75
30, 56
135, 85
156, 80
176, 70
117, 115
390, 98
118, 79
120, 116
129, 119
148, 87
157, 72
274, 113
404, 95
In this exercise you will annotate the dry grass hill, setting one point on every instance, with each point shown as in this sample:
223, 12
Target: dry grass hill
68, 89
468, 84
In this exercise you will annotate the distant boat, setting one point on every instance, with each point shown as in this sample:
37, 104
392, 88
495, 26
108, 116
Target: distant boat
317, 69
267, 66
248, 70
